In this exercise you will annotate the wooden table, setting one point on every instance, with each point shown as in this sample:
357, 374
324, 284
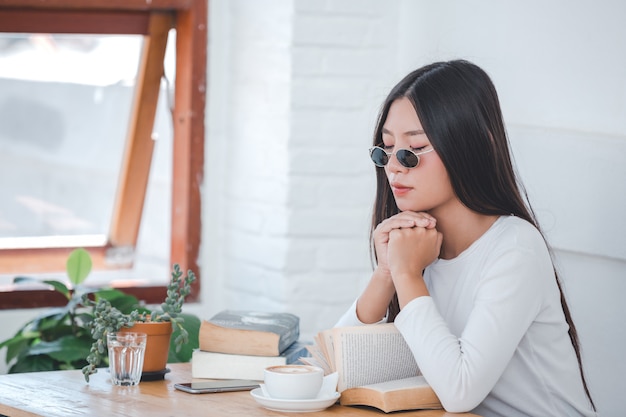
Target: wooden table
66, 394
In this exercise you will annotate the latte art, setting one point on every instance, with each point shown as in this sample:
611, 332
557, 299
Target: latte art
304, 369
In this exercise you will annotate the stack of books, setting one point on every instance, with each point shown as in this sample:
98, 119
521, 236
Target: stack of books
241, 344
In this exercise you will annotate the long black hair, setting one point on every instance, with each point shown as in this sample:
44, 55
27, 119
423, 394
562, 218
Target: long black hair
459, 110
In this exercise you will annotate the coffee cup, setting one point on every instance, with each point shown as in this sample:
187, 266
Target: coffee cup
293, 382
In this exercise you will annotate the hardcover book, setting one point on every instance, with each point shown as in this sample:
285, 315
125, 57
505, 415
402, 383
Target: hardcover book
249, 332
215, 365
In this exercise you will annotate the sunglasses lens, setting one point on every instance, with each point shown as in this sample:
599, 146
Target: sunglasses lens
407, 158
379, 157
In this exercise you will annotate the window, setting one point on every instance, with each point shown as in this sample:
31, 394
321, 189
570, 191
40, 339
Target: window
112, 240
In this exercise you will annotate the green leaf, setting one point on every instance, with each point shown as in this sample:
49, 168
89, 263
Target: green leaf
44, 320
18, 344
17, 339
60, 287
83, 320
56, 285
33, 364
66, 349
108, 294
78, 265
120, 300
192, 324
54, 324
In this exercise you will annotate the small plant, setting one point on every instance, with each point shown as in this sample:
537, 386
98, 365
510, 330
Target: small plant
108, 318
63, 338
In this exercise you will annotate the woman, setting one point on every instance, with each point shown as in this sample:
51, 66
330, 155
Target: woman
461, 265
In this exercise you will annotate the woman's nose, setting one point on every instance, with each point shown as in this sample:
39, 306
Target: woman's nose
393, 165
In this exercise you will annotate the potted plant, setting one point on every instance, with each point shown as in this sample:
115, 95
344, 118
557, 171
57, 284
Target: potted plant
158, 324
61, 338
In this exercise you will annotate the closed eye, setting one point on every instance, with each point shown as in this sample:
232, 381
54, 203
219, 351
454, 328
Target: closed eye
387, 148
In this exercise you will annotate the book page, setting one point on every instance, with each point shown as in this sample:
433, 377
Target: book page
317, 358
322, 352
398, 394
400, 384
325, 340
371, 354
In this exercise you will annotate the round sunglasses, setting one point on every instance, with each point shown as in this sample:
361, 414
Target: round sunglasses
406, 157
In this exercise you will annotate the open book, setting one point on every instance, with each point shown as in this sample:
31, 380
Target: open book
375, 365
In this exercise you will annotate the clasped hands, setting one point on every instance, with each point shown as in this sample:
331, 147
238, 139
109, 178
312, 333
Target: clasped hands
405, 245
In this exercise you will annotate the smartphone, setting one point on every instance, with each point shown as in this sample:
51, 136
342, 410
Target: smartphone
217, 385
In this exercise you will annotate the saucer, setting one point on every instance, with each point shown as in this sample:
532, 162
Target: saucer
302, 406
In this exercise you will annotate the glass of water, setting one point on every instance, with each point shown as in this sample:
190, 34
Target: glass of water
126, 352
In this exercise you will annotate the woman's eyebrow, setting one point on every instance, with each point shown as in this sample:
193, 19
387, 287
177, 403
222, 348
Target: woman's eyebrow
414, 132
408, 133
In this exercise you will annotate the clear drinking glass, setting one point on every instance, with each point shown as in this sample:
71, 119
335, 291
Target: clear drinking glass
126, 352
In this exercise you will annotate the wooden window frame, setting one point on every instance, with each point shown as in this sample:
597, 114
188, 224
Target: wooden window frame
153, 20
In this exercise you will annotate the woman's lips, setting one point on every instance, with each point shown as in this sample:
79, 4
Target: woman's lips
399, 189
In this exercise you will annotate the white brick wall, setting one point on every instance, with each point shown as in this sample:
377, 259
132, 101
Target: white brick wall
341, 52
304, 80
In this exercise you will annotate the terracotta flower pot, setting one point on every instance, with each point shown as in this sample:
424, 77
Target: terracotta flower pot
157, 345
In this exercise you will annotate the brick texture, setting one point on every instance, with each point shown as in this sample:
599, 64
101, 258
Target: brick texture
305, 85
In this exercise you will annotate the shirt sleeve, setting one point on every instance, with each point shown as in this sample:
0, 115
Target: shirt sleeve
463, 370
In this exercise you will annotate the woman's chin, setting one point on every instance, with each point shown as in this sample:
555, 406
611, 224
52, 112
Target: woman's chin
405, 206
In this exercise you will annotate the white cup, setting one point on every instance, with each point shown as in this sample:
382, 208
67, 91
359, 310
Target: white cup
293, 382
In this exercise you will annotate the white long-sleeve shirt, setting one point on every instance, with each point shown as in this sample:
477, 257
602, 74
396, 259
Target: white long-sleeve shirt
492, 336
